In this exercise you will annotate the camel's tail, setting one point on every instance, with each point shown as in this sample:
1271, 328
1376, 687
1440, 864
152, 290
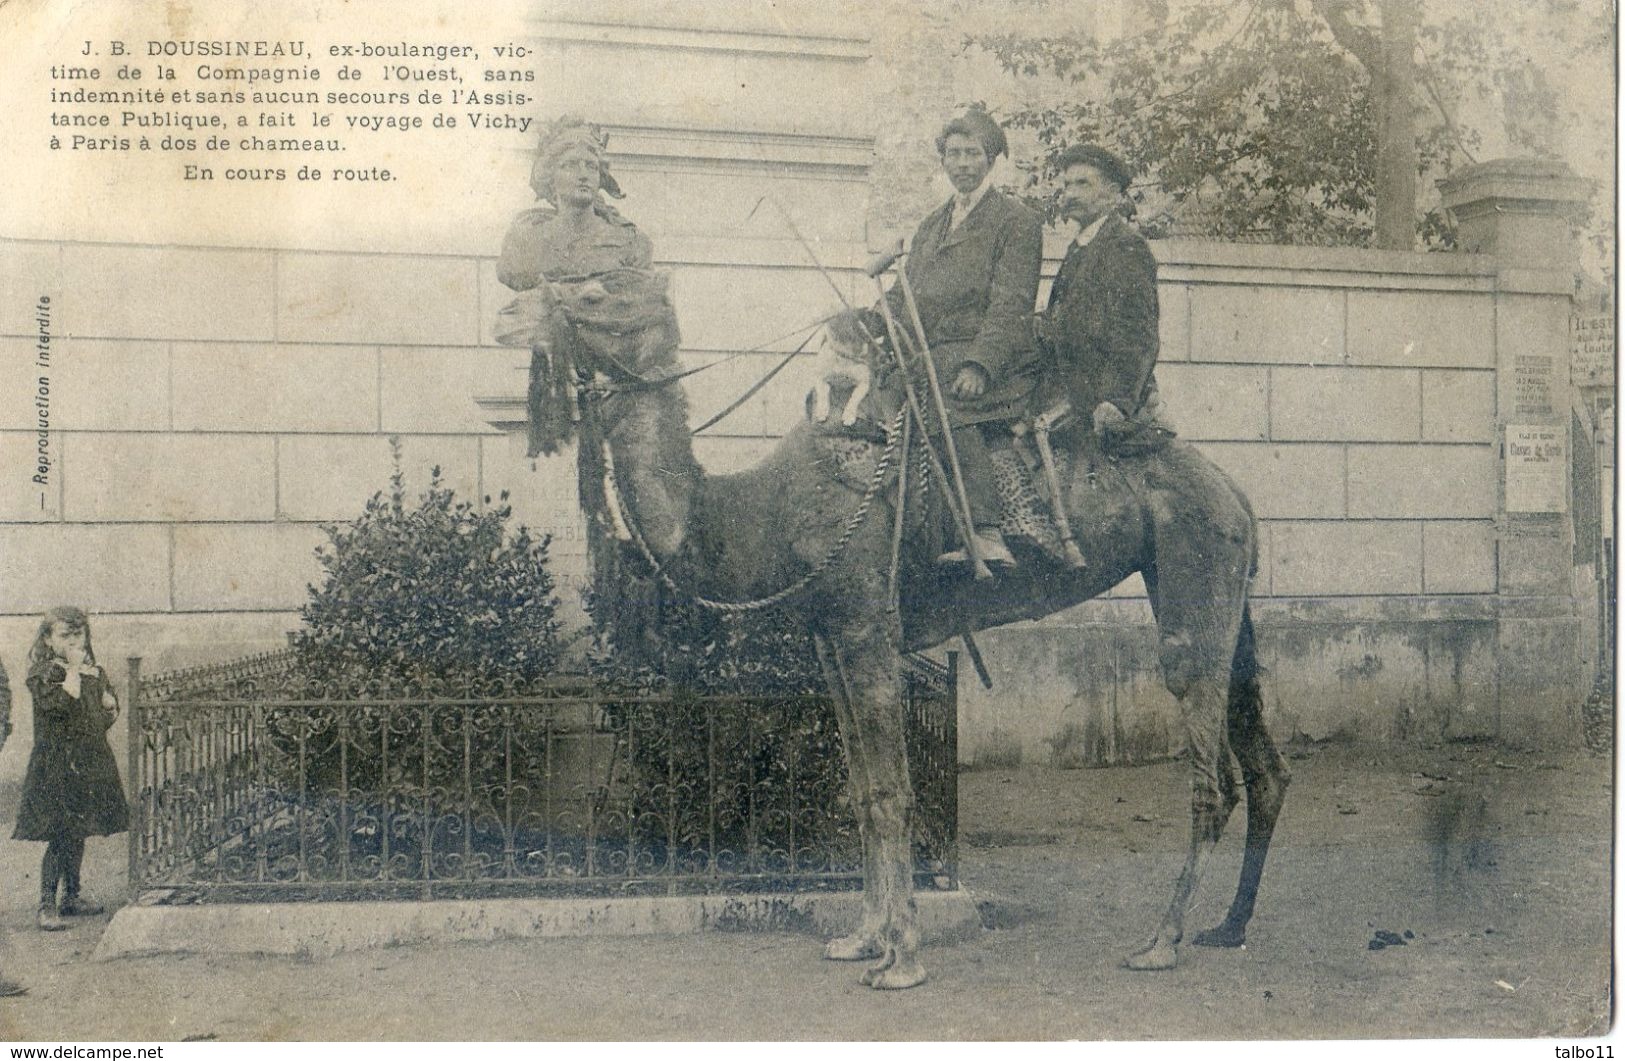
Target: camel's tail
1252, 561
1246, 696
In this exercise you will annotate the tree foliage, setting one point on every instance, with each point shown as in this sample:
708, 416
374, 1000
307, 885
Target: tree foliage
1262, 119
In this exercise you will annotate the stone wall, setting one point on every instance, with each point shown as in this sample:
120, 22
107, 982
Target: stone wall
1354, 396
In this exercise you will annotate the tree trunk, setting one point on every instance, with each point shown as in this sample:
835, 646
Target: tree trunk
1395, 84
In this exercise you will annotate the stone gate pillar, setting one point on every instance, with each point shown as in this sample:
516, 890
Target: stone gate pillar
1519, 211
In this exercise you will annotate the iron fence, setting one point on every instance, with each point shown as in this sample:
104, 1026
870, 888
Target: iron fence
252, 784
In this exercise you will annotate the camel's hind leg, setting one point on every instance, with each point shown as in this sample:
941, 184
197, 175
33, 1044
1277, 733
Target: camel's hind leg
1198, 624
1266, 776
1203, 710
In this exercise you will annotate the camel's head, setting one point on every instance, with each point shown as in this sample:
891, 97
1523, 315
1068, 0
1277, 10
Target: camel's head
623, 333
623, 321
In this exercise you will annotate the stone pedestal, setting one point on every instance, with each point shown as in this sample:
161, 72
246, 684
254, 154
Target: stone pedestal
1519, 211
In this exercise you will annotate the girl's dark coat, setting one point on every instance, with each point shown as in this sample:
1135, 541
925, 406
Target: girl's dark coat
72, 787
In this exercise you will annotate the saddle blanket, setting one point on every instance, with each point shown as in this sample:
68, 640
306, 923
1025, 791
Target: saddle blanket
1024, 499
1025, 513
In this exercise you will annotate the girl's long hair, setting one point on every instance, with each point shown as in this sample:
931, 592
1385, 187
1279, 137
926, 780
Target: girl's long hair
75, 618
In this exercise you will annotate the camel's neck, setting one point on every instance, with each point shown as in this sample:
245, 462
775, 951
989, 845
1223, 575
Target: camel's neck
657, 477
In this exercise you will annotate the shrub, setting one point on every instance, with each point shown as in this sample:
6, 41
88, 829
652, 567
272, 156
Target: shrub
433, 593
436, 589
761, 775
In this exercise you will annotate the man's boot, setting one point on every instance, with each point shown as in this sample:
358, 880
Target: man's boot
989, 546
73, 906
48, 919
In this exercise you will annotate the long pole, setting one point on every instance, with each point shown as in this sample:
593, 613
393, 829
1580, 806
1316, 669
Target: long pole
899, 518
1052, 478
977, 564
961, 515
134, 740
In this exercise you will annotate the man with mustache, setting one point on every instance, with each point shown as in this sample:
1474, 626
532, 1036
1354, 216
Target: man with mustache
1100, 328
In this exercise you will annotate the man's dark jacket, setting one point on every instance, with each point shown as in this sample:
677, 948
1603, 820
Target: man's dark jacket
1100, 329
976, 287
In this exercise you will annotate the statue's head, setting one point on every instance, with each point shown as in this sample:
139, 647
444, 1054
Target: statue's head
570, 167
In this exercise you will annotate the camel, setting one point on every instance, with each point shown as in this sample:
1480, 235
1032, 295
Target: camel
791, 529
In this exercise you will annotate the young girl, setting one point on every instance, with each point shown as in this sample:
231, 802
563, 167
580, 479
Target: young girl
8, 988
72, 788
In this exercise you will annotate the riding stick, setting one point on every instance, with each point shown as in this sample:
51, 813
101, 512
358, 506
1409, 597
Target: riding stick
898, 519
978, 567
976, 659
977, 564
805, 245
1041, 429
874, 269
901, 341
961, 515
974, 652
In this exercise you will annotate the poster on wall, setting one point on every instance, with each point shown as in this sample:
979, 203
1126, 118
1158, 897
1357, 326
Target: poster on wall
1591, 350
1536, 471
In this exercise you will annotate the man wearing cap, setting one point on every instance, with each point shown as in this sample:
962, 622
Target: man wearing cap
1100, 328
973, 266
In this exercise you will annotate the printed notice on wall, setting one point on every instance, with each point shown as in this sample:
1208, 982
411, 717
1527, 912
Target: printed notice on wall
1591, 350
1536, 469
1532, 376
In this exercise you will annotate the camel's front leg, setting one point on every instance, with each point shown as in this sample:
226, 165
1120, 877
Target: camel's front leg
1213, 796
900, 967
864, 944
870, 671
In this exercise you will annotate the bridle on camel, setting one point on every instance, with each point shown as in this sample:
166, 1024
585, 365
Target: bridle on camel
621, 518
631, 381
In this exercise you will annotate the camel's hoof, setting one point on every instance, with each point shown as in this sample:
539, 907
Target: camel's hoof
899, 976
1159, 955
1225, 935
851, 949
874, 972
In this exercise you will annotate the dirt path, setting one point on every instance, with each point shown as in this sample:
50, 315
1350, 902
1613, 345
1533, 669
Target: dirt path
1492, 866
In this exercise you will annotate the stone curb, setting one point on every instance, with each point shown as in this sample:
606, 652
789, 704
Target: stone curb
320, 930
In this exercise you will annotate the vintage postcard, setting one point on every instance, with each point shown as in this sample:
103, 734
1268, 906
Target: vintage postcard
814, 520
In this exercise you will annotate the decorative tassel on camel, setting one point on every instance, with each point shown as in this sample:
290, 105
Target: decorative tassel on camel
551, 399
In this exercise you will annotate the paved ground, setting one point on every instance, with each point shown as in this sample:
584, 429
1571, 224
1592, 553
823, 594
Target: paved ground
1492, 865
